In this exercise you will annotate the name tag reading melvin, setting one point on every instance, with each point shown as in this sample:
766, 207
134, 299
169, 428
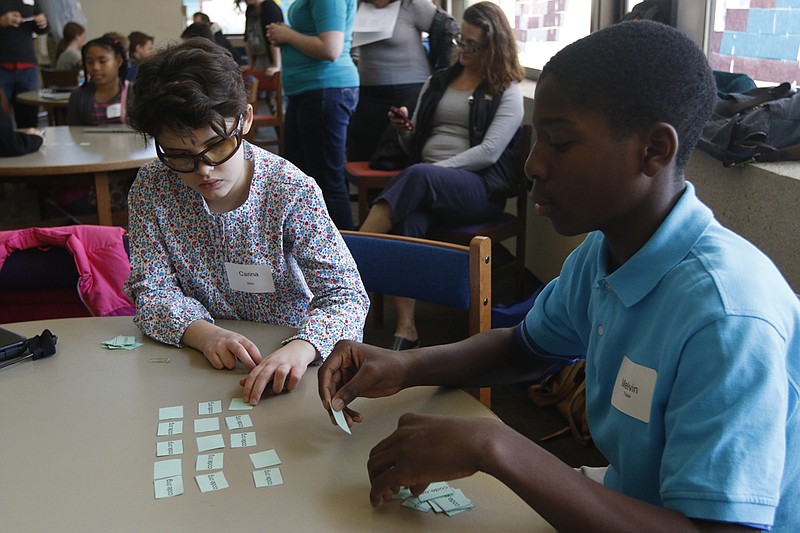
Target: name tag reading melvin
114, 111
250, 278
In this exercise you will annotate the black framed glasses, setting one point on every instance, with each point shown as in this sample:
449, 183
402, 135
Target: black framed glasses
469, 47
214, 155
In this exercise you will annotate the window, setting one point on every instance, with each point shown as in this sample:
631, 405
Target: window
545, 27
760, 38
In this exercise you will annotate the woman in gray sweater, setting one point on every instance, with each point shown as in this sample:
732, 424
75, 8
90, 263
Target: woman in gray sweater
461, 143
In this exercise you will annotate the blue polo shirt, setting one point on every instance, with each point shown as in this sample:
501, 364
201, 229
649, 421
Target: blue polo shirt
302, 73
691, 370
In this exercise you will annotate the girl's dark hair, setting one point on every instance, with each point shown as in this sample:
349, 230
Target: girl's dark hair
71, 31
135, 39
186, 87
112, 45
500, 63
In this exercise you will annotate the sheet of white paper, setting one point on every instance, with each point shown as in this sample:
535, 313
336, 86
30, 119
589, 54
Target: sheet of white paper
238, 404
264, 459
170, 428
211, 442
238, 422
168, 487
168, 468
373, 24
202, 425
169, 413
243, 440
212, 407
340, 420
169, 447
211, 482
209, 461
268, 477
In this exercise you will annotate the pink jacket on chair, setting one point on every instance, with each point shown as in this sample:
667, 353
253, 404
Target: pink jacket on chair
100, 258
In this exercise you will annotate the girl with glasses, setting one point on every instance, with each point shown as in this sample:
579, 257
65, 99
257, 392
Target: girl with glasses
223, 229
460, 141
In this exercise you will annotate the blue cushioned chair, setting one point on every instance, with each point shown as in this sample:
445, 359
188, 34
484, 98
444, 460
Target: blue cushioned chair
442, 273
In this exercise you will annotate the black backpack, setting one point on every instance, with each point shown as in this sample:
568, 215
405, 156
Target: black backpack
759, 125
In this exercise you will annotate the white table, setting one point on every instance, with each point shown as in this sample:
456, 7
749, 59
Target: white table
78, 444
77, 150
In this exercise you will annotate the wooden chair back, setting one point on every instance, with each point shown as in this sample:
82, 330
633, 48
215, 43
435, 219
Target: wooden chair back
442, 273
255, 84
58, 78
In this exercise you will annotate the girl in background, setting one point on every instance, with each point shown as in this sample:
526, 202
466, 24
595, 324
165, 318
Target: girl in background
68, 49
102, 99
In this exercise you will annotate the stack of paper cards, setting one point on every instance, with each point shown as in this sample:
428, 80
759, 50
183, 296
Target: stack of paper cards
440, 497
121, 342
167, 479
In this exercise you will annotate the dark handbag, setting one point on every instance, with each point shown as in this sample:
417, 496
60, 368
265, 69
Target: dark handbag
389, 155
759, 125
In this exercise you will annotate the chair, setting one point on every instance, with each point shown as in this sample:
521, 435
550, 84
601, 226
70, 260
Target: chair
63, 272
58, 78
505, 227
441, 273
256, 83
365, 180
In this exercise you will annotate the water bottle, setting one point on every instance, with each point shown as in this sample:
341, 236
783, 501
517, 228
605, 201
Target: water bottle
81, 77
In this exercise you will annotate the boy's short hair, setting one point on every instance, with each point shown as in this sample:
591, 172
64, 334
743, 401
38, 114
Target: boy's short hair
639, 73
185, 87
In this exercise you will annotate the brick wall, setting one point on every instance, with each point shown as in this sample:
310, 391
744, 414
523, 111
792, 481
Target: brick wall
760, 38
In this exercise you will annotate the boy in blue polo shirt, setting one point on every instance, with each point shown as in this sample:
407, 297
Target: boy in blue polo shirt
692, 335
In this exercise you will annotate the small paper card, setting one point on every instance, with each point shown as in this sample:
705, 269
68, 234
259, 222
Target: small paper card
169, 447
212, 407
170, 428
340, 420
268, 477
415, 503
238, 404
209, 461
121, 342
243, 440
211, 442
169, 413
436, 490
238, 422
168, 487
454, 503
203, 425
168, 468
265, 459
211, 482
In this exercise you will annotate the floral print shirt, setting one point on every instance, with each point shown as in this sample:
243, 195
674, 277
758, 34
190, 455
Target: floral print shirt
179, 249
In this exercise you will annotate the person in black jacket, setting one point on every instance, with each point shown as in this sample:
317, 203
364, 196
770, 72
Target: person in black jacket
14, 143
18, 64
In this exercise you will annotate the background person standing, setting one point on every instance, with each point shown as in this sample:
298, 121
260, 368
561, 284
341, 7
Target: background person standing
19, 19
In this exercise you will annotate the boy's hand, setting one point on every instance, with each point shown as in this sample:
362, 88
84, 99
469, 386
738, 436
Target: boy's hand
354, 369
425, 449
283, 368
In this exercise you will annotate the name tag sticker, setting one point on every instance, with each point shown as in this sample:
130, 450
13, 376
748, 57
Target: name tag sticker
633, 390
249, 278
114, 111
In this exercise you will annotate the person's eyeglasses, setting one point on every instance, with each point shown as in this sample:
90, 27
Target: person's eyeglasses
216, 154
469, 47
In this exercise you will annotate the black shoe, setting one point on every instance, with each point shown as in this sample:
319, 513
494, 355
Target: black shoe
399, 343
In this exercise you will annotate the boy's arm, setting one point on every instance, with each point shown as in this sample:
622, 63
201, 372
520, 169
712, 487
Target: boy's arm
429, 448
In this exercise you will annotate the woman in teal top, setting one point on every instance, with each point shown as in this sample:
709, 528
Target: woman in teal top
321, 82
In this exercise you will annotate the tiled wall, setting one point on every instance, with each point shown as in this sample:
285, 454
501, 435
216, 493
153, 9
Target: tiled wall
761, 38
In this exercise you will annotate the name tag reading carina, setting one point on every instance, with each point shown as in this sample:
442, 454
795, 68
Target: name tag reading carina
250, 278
